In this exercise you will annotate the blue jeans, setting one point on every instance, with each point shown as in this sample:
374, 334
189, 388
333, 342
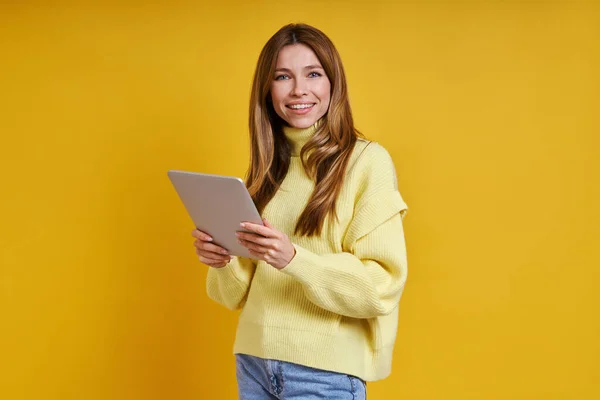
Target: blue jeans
261, 379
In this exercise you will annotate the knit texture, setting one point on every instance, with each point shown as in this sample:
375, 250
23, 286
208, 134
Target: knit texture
335, 305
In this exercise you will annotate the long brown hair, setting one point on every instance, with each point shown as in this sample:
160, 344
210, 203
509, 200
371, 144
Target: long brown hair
325, 156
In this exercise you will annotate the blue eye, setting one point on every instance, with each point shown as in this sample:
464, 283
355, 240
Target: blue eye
281, 77
314, 75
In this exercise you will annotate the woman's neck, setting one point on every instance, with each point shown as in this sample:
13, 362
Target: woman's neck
298, 137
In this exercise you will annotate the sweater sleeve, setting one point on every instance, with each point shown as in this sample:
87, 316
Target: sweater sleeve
229, 285
367, 279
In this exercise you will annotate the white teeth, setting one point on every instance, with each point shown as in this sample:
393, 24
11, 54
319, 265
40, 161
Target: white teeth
299, 106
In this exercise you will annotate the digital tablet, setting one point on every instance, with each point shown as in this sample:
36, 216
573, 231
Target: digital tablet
217, 205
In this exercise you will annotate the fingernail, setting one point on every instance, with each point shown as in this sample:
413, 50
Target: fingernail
223, 251
237, 234
243, 225
209, 239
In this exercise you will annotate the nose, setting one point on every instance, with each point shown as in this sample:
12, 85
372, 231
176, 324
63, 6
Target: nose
299, 88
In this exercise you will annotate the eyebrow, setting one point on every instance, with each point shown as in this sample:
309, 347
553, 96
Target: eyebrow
313, 66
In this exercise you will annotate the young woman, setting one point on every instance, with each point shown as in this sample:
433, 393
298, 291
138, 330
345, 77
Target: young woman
320, 295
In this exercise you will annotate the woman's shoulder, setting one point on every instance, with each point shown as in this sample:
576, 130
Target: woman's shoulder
372, 168
369, 156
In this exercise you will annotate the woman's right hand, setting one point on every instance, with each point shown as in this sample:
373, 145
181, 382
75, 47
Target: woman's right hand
209, 253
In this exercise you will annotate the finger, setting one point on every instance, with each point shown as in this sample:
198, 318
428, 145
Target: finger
211, 259
267, 224
267, 257
213, 248
212, 255
198, 234
254, 238
261, 230
216, 264
257, 255
252, 246
212, 262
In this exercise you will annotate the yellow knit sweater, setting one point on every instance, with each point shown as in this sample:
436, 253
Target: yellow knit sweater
335, 305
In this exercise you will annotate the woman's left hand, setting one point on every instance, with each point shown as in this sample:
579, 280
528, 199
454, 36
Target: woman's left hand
267, 243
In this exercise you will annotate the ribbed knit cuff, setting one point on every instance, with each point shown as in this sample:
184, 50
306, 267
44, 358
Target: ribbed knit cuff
230, 271
304, 264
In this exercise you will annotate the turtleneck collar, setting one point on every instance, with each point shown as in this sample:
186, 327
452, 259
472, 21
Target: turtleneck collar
298, 137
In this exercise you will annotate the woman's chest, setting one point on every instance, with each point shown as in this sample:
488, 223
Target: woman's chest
284, 210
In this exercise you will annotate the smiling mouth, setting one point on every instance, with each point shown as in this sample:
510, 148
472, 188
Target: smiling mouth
300, 106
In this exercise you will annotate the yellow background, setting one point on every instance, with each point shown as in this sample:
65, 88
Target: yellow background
489, 109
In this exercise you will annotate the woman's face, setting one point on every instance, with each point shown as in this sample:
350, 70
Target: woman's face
300, 90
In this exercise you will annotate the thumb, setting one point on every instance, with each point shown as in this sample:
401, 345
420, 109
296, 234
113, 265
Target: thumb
267, 223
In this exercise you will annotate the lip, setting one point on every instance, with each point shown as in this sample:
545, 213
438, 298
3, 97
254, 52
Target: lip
301, 111
294, 103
